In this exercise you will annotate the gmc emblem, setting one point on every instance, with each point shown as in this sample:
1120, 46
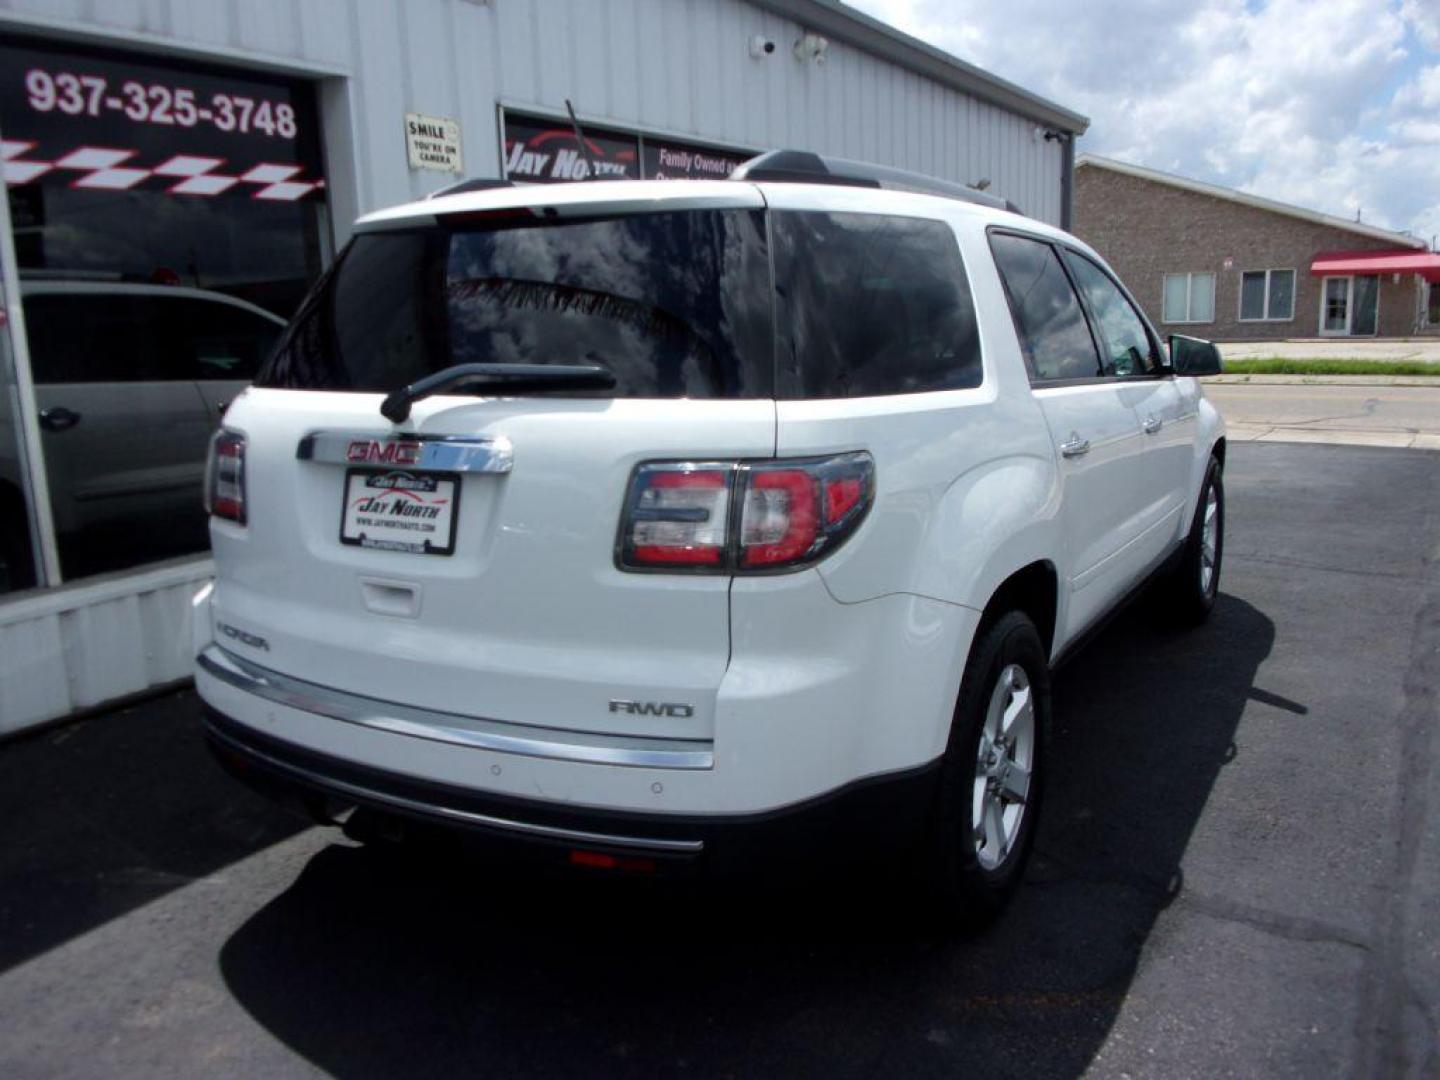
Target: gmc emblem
373, 451
677, 709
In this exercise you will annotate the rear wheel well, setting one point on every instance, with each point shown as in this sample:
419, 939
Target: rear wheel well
1033, 590
1219, 452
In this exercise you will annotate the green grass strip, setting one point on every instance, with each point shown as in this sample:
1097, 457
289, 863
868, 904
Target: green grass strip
1277, 365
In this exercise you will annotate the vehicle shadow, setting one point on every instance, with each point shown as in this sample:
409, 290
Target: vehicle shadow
377, 966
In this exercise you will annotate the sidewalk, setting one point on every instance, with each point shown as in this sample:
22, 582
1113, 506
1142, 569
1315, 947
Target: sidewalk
1398, 413
1324, 380
1418, 349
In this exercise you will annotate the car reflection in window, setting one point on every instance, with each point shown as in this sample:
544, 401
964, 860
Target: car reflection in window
130, 380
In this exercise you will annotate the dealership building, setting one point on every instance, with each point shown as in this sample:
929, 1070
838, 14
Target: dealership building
178, 174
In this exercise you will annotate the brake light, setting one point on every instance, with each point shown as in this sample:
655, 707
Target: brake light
678, 516
225, 476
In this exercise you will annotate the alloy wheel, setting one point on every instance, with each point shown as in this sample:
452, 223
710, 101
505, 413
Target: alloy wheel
1004, 764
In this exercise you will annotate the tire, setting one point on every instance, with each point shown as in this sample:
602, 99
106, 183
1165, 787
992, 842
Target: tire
971, 874
1189, 591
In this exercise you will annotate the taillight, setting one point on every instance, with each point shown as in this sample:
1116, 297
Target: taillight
679, 516
225, 476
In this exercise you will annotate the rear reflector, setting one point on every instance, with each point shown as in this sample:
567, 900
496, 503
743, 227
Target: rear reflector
600, 860
678, 516
225, 476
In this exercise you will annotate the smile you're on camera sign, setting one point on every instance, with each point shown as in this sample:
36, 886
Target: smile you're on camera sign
433, 142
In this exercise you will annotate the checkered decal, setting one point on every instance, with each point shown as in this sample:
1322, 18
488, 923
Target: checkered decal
105, 168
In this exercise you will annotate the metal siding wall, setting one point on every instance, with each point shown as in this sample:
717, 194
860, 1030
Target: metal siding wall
64, 651
681, 67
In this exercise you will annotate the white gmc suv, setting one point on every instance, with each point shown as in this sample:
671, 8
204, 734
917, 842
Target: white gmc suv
704, 525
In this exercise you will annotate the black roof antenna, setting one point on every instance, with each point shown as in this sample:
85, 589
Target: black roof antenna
580, 138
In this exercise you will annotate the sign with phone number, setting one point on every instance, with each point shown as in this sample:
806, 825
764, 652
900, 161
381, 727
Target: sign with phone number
153, 103
60, 106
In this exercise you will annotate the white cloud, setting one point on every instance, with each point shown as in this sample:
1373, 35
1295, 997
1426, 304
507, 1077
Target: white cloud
1324, 105
1424, 18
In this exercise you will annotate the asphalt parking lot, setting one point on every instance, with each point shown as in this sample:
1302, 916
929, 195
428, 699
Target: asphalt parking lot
1239, 874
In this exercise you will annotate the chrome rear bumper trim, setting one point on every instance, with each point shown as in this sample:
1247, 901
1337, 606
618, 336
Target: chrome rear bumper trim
477, 733
468, 817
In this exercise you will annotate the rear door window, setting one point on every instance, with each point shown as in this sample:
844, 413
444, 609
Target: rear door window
871, 304
1126, 349
1048, 317
675, 304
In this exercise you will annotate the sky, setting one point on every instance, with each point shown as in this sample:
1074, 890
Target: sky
1332, 105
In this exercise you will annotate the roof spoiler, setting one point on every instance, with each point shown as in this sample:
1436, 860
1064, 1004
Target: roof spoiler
805, 167
474, 183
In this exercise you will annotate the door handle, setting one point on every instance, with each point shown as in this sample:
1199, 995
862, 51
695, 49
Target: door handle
1153, 424
58, 418
1075, 446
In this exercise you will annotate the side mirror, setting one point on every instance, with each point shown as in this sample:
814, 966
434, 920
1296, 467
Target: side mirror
1191, 356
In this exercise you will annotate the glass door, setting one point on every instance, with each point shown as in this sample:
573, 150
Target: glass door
1365, 305
1335, 306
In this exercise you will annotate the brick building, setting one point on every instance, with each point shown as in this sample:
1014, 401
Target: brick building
1220, 264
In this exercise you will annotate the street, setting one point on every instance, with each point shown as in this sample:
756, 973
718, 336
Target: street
1238, 874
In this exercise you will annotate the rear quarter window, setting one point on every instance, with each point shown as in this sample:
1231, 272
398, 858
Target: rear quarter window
871, 304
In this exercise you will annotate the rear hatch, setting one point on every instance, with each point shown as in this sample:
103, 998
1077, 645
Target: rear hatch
463, 560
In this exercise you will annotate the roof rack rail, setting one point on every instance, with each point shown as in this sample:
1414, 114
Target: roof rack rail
474, 183
805, 167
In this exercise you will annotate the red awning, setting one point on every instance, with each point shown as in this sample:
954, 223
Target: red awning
1393, 261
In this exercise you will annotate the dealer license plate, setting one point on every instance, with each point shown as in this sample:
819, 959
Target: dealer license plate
400, 511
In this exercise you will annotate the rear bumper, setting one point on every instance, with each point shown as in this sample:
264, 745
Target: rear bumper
880, 819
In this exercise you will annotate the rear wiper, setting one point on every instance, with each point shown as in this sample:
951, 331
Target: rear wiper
508, 378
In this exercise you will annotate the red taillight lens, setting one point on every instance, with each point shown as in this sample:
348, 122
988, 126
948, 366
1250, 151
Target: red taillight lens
225, 476
678, 517
780, 523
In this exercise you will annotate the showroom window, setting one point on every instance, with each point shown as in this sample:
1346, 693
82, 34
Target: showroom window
167, 219
1189, 298
1267, 295
545, 150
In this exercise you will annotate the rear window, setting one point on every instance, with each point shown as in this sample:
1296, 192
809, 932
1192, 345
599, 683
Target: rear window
675, 304
871, 304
